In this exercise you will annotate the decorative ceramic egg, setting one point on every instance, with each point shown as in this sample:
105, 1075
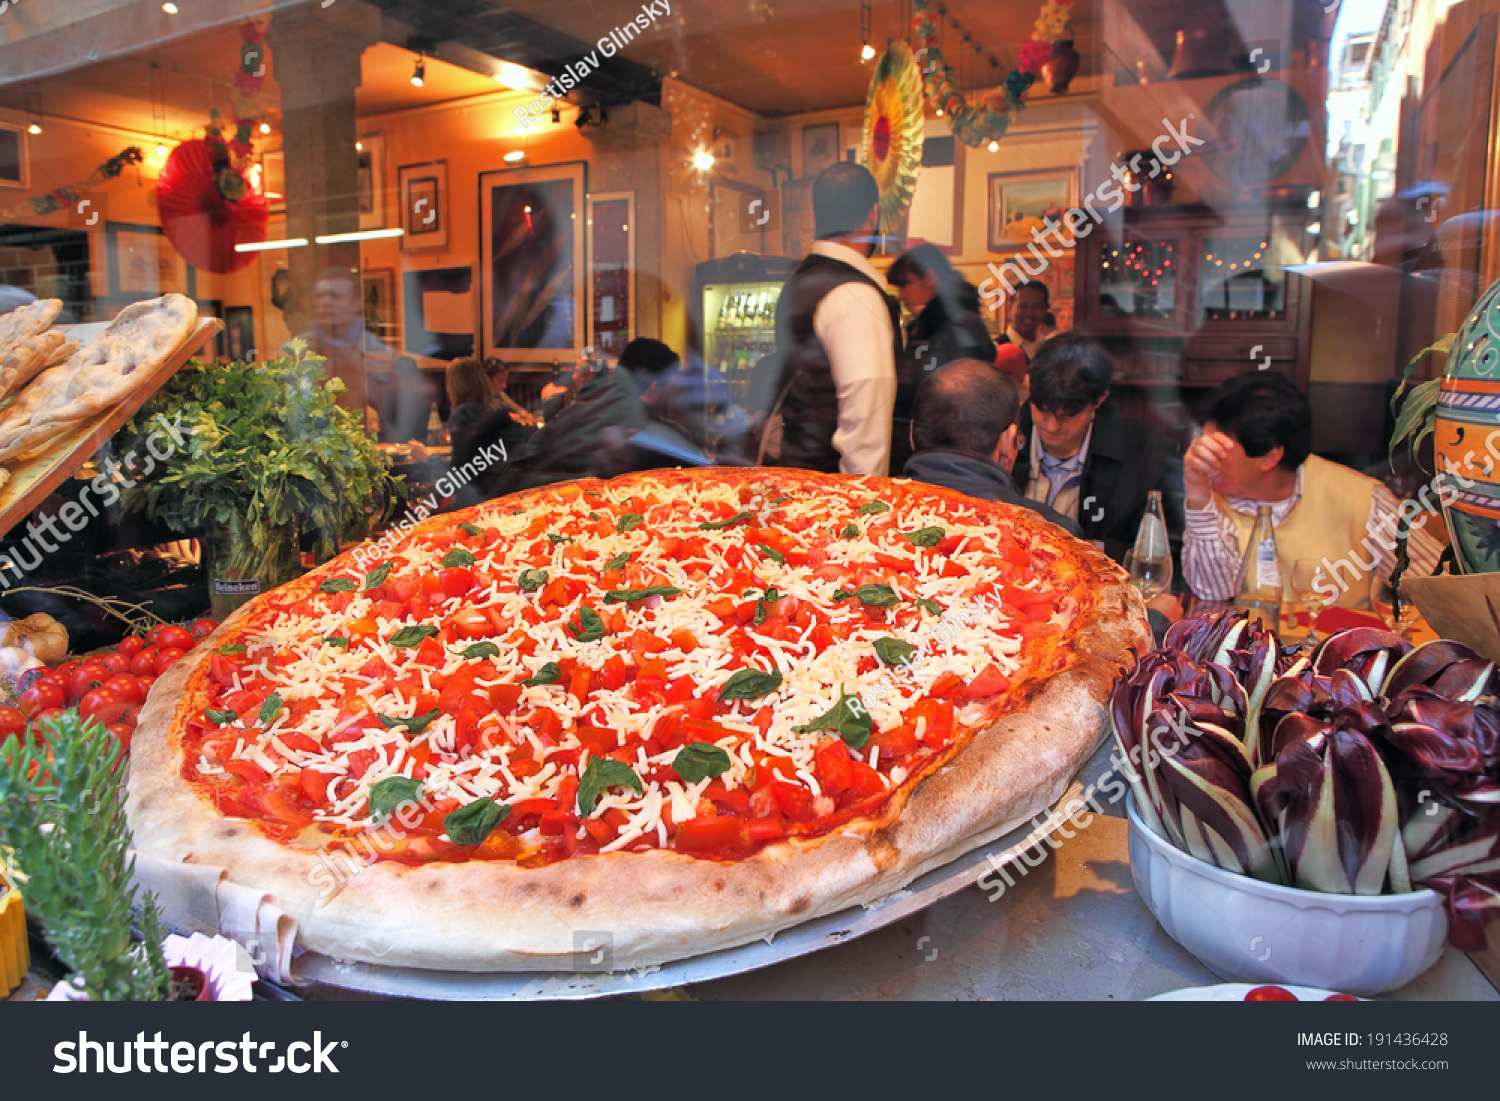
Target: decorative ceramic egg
1467, 439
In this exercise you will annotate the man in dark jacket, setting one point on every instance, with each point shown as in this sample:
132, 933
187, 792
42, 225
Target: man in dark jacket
964, 436
1084, 458
838, 337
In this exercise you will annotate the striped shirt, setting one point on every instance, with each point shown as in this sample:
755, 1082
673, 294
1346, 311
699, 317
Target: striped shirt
1211, 555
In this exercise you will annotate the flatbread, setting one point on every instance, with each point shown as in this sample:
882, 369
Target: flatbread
29, 357
65, 352
1013, 757
32, 319
111, 366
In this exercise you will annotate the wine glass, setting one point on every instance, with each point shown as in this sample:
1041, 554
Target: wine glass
1151, 575
1302, 602
1393, 606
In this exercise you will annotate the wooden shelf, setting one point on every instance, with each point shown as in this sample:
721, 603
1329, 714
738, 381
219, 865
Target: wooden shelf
33, 480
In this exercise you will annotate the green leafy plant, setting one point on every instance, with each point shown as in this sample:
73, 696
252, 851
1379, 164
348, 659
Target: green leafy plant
62, 819
1416, 417
268, 450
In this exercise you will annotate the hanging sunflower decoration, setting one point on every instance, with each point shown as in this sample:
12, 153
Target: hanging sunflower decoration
893, 132
975, 124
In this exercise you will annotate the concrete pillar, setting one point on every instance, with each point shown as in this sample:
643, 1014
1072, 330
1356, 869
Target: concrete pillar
630, 156
315, 60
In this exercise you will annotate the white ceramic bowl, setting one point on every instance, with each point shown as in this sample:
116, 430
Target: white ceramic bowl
1244, 930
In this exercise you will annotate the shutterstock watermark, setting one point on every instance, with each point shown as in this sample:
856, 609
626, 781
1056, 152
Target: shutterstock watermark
1058, 237
1335, 578
76, 515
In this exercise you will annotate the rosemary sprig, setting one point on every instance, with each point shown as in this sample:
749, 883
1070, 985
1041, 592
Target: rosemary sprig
62, 816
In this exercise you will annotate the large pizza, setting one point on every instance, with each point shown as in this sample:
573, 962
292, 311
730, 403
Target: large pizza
677, 710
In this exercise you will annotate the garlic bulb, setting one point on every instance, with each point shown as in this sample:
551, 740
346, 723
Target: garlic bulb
39, 635
14, 661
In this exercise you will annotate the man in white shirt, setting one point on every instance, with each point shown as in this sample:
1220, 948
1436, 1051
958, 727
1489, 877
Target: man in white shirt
838, 335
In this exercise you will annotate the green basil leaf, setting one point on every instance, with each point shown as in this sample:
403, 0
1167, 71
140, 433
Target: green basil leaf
531, 580
781, 500
377, 577
336, 640
893, 651
230, 649
618, 562
601, 774
270, 709
593, 626
455, 558
927, 537
760, 612
414, 725
413, 636
337, 585
872, 508
471, 529
631, 596
629, 521
480, 650
773, 595
749, 684
932, 607
556, 539
842, 595
547, 674
851, 530
222, 718
773, 554
871, 596
595, 494
700, 761
595, 516
471, 824
849, 718
720, 525
392, 793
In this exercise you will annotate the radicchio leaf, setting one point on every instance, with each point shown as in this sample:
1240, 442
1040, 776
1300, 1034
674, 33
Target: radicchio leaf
1368, 652
1449, 668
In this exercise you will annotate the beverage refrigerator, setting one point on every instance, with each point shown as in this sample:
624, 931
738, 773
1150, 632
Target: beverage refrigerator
735, 300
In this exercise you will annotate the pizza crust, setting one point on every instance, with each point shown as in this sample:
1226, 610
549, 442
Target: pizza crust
659, 905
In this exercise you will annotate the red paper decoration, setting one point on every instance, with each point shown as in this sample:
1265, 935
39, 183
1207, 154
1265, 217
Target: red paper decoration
207, 207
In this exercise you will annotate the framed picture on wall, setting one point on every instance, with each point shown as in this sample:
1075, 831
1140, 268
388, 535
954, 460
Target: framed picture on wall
13, 157
424, 205
273, 180
371, 185
438, 309
611, 234
239, 332
532, 270
1023, 202
143, 264
820, 147
380, 305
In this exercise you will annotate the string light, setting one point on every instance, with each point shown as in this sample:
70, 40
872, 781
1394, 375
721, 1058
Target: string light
703, 160
265, 128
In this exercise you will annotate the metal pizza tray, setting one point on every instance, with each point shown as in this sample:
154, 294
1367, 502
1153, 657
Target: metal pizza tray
312, 970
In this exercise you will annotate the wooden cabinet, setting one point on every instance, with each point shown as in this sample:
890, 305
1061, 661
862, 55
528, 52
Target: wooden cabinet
1186, 296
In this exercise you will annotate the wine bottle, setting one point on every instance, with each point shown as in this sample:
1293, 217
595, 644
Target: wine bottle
1151, 559
1260, 573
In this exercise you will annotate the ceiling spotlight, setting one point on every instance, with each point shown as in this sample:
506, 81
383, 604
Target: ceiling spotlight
514, 77
359, 147
419, 74
703, 160
939, 112
515, 155
169, 8
161, 149
994, 147
265, 128
867, 52
34, 128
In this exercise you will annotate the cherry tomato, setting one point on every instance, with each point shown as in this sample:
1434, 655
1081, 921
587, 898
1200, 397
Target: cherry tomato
91, 674
1330, 998
104, 705
122, 733
165, 659
125, 686
118, 663
146, 681
144, 663
64, 672
12, 722
29, 677
132, 645
41, 720
174, 638
456, 581
201, 628
41, 696
1271, 994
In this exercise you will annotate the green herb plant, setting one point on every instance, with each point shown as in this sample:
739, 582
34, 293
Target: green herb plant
269, 451
62, 819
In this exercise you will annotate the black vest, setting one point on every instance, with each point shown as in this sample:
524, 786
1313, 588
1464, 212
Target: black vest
810, 413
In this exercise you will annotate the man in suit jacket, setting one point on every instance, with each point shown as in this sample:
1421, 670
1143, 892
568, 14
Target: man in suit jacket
1085, 458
